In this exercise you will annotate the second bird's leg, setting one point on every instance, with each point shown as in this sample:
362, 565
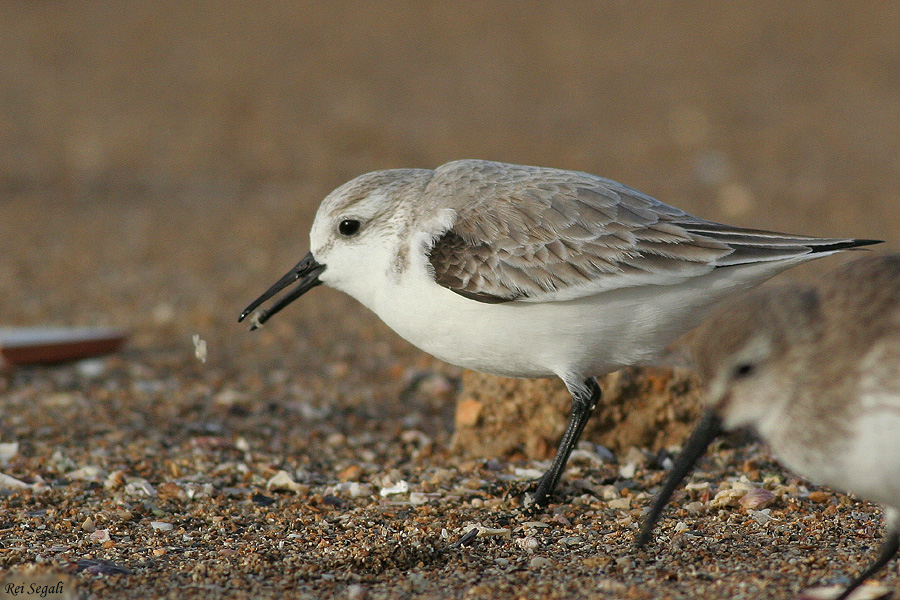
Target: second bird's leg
889, 548
585, 397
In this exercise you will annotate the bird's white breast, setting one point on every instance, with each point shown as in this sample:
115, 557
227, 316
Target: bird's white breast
587, 336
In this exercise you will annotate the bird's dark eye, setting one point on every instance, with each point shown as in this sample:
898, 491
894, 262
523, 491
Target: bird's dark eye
743, 370
348, 227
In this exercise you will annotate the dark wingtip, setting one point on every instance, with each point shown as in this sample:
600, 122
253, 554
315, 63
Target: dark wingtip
845, 245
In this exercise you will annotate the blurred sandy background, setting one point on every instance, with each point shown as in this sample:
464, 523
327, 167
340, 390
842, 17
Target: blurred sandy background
175, 152
160, 164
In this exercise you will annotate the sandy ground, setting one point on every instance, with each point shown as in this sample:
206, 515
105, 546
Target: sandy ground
160, 164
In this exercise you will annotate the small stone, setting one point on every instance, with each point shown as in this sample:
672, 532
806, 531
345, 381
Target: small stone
867, 591
161, 526
336, 440
694, 507
357, 592
414, 436
170, 491
627, 471
757, 498
819, 497
138, 486
200, 351
727, 498
493, 532
529, 543
619, 504
282, 481
527, 474
91, 368
163, 313
351, 473
468, 412
100, 535
197, 490
417, 498
762, 516
159, 551
114, 480
540, 562
401, 487
634, 456
338, 370
88, 526
8, 482
597, 562
362, 490
7, 451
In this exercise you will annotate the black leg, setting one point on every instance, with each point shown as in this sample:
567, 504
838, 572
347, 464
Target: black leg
584, 400
889, 548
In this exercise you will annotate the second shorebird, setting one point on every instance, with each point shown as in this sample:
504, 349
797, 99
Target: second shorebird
531, 272
815, 371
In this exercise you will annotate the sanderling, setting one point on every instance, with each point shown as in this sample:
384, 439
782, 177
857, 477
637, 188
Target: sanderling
815, 371
531, 272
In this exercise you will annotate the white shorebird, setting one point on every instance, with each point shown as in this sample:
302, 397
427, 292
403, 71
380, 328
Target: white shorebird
531, 272
815, 371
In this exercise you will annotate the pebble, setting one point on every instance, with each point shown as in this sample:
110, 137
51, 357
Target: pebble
7, 451
282, 481
619, 504
351, 473
92, 368
756, 499
200, 349
8, 482
762, 516
86, 473
161, 526
727, 498
867, 591
529, 543
363, 490
114, 480
540, 562
100, 535
401, 487
357, 592
628, 471
196, 491
819, 496
138, 486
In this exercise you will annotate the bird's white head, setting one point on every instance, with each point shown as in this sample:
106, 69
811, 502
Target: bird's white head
355, 239
359, 227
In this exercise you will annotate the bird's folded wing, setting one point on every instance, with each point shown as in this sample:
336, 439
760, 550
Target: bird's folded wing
537, 234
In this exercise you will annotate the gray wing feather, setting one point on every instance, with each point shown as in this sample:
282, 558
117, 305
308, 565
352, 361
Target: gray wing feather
537, 234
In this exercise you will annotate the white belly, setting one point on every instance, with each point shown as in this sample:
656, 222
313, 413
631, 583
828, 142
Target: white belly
589, 336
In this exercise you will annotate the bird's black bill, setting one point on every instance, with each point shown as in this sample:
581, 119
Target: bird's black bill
307, 272
707, 430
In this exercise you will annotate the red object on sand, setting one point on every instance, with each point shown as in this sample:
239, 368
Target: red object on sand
41, 345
